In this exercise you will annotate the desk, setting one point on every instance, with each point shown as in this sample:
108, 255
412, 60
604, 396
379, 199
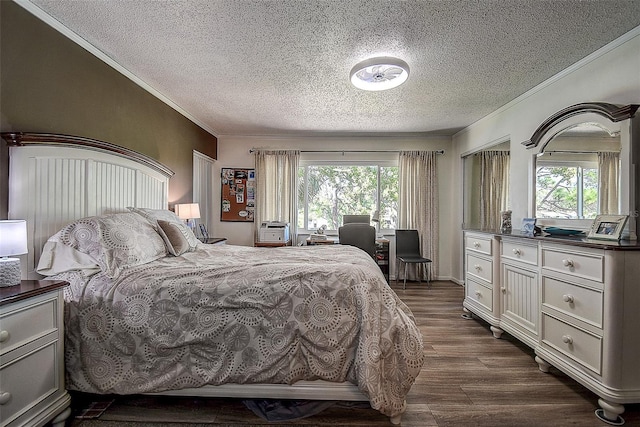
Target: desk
330, 241
271, 244
382, 255
214, 240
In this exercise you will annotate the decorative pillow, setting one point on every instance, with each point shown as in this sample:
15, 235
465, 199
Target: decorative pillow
176, 236
113, 241
179, 230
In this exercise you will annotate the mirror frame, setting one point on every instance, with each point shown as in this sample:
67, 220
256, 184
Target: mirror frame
631, 160
615, 113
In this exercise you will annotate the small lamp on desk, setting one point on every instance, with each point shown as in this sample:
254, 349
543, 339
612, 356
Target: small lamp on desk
188, 212
13, 241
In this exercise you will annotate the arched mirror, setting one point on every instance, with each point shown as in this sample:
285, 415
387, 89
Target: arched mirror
584, 165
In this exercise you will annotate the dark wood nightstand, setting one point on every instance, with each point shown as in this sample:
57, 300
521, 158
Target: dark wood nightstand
214, 240
32, 388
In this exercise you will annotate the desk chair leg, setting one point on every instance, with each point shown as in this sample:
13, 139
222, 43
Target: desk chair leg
397, 271
404, 286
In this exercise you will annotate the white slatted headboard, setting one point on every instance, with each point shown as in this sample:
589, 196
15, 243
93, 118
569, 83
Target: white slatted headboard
55, 179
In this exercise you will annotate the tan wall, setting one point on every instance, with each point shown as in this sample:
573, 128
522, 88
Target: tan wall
51, 84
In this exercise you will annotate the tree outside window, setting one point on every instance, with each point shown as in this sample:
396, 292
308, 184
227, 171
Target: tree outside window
567, 191
327, 192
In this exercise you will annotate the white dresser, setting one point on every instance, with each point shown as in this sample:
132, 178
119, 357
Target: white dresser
576, 303
482, 278
32, 391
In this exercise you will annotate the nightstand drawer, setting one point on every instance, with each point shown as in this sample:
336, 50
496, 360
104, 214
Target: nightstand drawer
29, 380
577, 344
27, 322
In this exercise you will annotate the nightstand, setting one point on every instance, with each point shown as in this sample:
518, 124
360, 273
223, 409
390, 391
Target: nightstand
214, 240
32, 391
382, 256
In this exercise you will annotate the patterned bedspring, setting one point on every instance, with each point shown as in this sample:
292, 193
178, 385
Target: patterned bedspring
234, 314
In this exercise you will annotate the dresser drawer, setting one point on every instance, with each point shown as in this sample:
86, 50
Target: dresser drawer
577, 344
478, 243
517, 251
29, 381
581, 303
580, 264
26, 323
480, 267
480, 294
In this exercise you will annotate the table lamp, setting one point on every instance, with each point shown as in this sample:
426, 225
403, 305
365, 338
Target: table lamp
13, 241
188, 212
376, 218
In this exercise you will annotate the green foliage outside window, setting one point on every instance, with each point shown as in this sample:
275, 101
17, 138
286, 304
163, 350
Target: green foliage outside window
566, 192
327, 192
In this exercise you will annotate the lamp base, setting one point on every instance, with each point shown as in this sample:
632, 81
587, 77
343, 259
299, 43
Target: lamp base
10, 274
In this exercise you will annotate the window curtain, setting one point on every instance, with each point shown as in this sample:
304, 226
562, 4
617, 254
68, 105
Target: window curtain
494, 187
418, 204
608, 182
276, 188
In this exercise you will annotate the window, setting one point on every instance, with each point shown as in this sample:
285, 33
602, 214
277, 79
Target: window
567, 189
329, 190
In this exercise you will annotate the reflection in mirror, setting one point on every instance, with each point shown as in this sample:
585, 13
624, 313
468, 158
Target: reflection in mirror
486, 187
578, 173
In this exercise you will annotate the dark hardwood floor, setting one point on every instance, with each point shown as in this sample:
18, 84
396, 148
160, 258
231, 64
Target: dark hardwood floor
469, 379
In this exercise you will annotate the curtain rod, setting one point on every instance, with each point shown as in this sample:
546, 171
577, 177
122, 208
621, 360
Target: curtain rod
576, 152
351, 151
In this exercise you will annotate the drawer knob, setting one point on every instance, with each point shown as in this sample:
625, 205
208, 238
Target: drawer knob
567, 263
476, 244
504, 290
517, 252
5, 397
4, 335
478, 294
477, 267
567, 298
567, 339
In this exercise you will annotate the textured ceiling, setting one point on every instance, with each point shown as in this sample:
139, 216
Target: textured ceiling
282, 67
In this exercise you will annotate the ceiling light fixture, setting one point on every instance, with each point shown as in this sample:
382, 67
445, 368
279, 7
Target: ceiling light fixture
379, 73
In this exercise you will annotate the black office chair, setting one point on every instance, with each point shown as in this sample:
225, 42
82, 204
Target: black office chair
408, 252
360, 235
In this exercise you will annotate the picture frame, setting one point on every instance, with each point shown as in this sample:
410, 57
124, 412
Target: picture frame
608, 227
528, 226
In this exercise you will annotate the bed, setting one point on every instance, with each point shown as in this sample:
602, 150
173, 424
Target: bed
152, 310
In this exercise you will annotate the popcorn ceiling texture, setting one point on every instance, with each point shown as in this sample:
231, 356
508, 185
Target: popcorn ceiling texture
282, 67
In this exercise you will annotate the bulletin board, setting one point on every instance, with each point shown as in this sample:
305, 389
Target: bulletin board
238, 194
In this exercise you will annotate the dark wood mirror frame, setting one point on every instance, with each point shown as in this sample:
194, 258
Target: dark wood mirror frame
615, 113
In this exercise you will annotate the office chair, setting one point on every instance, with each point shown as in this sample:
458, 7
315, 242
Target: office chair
408, 252
360, 235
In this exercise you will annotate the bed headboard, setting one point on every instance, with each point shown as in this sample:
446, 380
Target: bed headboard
56, 179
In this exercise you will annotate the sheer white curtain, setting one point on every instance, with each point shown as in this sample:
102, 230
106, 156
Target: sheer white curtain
276, 188
418, 203
608, 182
494, 187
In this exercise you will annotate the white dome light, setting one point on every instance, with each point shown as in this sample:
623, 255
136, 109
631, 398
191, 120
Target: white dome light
379, 73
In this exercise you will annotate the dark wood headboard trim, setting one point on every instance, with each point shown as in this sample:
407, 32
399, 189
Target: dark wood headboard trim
20, 139
615, 113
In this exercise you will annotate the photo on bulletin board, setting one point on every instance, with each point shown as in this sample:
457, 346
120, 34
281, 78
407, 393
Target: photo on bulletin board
238, 194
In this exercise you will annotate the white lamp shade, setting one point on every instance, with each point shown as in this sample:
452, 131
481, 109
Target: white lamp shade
188, 211
13, 237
